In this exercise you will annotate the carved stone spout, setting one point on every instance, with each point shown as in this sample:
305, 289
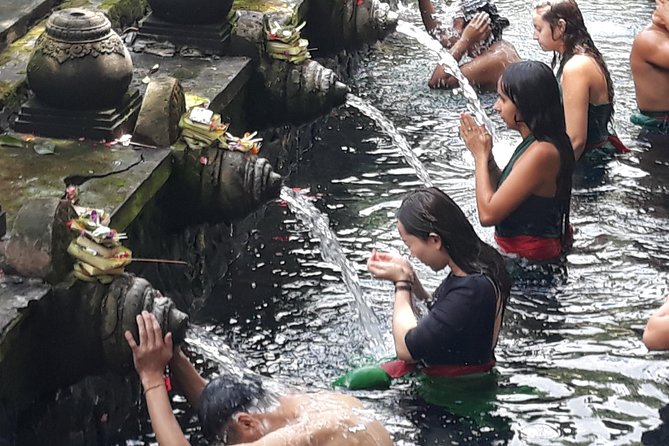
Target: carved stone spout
127, 297
333, 25
301, 92
222, 185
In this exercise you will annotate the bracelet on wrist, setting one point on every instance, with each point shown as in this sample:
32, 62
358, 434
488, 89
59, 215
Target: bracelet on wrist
410, 282
155, 386
402, 288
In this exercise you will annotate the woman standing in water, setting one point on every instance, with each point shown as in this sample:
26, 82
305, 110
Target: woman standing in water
459, 334
528, 201
587, 88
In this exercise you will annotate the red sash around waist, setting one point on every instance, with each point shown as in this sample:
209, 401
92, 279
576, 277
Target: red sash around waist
399, 368
531, 247
615, 142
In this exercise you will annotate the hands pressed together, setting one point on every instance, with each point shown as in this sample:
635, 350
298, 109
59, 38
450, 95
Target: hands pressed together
476, 138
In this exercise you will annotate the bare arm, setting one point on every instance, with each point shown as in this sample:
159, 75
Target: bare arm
656, 334
150, 358
187, 377
576, 99
427, 15
404, 320
653, 46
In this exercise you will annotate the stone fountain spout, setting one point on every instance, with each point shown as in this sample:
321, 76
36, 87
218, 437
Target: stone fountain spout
126, 297
222, 185
333, 25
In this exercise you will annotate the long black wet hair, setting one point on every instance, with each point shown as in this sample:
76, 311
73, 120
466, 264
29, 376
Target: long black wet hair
533, 89
577, 39
428, 211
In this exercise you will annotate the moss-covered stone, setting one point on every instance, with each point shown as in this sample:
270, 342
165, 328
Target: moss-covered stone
262, 5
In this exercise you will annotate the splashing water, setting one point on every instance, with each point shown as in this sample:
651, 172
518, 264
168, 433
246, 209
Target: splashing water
332, 252
387, 126
452, 67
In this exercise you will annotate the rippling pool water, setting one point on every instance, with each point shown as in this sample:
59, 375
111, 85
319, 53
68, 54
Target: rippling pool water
575, 340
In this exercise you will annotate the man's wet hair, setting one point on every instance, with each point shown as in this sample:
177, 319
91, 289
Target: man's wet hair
223, 397
497, 23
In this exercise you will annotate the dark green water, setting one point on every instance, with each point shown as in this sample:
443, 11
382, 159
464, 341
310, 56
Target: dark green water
571, 365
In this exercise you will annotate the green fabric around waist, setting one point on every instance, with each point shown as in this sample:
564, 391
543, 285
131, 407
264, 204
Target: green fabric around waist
651, 120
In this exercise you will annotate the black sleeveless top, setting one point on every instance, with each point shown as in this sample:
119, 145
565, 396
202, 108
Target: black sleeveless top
536, 216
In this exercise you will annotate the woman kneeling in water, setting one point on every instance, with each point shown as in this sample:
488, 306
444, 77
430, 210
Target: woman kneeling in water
459, 334
528, 201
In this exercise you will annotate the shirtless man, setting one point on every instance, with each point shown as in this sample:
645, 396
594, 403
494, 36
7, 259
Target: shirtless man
650, 69
237, 411
477, 32
656, 333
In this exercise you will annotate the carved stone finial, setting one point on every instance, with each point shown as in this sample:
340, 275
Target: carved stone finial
79, 62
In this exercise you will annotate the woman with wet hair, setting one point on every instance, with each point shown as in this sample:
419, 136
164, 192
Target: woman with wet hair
459, 334
528, 201
587, 88
476, 31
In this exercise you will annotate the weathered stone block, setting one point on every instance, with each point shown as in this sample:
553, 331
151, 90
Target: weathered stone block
37, 246
158, 121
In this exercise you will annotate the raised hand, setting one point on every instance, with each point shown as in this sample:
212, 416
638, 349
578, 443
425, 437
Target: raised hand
478, 29
153, 352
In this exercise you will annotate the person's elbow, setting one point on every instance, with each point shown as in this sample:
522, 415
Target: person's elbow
403, 353
578, 144
654, 337
488, 218
445, 82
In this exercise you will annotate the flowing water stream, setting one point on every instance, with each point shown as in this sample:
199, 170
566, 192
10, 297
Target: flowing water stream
571, 365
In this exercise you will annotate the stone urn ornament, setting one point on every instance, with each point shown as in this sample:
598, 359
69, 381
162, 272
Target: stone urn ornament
79, 62
194, 12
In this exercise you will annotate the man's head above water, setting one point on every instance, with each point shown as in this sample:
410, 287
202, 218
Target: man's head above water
466, 11
229, 407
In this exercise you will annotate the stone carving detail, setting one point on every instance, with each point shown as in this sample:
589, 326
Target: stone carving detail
301, 92
64, 51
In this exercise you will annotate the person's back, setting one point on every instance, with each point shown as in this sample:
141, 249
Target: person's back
331, 419
650, 62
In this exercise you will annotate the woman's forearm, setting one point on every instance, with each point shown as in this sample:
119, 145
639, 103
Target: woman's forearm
404, 320
484, 189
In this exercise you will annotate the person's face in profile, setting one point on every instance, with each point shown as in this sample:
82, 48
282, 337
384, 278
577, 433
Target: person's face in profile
506, 108
543, 32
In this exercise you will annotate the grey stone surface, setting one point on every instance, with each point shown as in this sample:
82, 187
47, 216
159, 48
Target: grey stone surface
162, 107
15, 296
17, 15
218, 79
